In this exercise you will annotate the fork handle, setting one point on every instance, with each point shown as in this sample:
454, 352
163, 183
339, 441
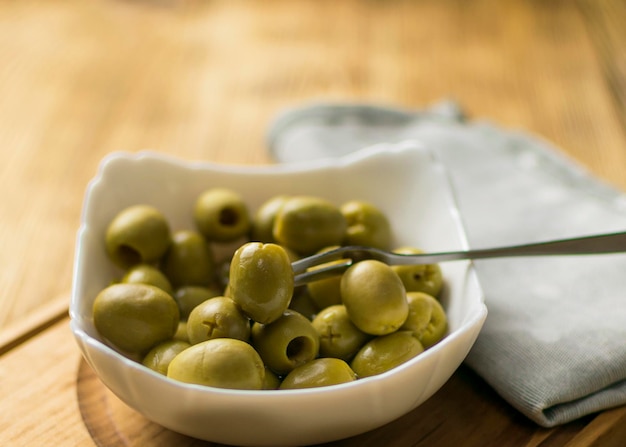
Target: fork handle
596, 244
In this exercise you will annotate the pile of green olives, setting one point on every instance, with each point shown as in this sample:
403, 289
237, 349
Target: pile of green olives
242, 323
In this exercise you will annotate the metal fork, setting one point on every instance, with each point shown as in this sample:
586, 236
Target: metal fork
312, 268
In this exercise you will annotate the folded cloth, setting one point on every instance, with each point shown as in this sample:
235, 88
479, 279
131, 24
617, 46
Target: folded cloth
554, 342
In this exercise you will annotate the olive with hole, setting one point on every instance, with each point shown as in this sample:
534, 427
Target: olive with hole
189, 260
427, 318
286, 343
264, 218
159, 357
319, 372
138, 234
339, 337
385, 352
221, 215
375, 297
219, 362
188, 297
425, 278
148, 274
306, 224
218, 317
135, 317
367, 225
261, 280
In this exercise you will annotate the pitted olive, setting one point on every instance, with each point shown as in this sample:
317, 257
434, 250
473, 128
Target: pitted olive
427, 318
425, 278
286, 343
135, 317
385, 352
318, 372
221, 363
374, 297
189, 260
261, 281
339, 337
367, 225
307, 224
137, 234
222, 215
159, 357
148, 274
218, 317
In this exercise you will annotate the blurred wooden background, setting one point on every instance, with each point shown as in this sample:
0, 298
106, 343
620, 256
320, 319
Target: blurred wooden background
202, 79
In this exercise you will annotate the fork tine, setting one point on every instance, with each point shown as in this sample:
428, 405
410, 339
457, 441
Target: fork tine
350, 255
303, 264
353, 252
324, 272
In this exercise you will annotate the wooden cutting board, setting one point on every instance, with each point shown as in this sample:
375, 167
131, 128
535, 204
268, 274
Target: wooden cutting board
50, 396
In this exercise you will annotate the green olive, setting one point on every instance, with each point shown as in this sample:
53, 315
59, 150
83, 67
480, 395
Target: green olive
425, 278
286, 343
138, 234
264, 218
385, 352
135, 317
374, 297
271, 381
159, 357
222, 273
302, 303
188, 297
217, 317
221, 215
227, 291
148, 274
307, 224
317, 373
189, 261
293, 256
427, 318
221, 363
339, 337
261, 280
181, 332
367, 225
325, 292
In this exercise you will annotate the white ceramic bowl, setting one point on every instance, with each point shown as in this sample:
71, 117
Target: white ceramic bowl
404, 180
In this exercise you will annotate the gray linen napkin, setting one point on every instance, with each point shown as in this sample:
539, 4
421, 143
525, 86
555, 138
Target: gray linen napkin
554, 343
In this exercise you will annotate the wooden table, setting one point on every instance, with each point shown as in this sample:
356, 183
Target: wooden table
203, 80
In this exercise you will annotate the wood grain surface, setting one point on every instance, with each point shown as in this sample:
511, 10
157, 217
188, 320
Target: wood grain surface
111, 422
51, 397
203, 79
